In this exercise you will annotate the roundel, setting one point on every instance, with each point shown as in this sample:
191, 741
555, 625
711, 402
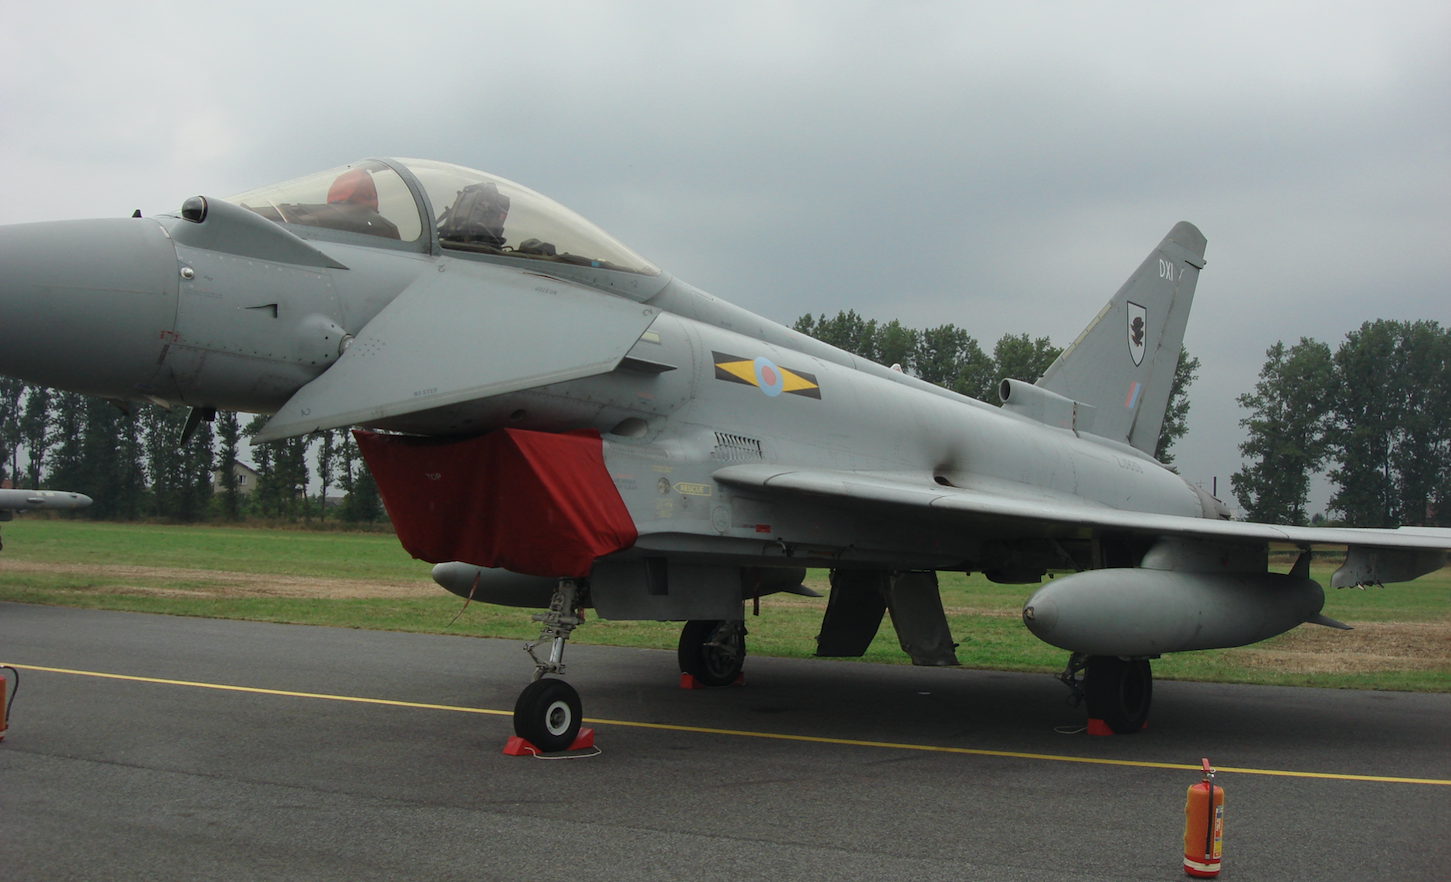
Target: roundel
769, 377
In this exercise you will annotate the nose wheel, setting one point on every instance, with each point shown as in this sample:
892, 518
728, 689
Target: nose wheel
547, 715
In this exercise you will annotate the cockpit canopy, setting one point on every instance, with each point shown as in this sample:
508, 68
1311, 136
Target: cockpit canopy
472, 211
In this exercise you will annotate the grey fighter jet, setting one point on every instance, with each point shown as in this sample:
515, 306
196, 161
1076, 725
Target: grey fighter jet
559, 424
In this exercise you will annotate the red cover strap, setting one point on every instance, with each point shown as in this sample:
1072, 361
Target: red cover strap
537, 503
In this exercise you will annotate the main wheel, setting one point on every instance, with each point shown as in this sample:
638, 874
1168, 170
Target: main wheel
713, 651
1119, 692
547, 715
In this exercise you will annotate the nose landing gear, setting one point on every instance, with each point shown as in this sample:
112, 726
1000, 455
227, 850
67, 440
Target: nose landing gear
548, 712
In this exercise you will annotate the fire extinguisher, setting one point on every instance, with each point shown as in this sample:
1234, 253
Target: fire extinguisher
4, 701
1203, 826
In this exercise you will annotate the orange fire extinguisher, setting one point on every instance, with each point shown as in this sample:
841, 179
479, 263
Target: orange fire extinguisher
1203, 826
5, 701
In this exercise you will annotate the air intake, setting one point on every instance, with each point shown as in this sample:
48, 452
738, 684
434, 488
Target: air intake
735, 448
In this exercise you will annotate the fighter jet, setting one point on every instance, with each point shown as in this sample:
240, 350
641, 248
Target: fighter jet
559, 424
12, 501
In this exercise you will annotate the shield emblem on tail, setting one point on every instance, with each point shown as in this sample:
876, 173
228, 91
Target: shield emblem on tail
1138, 332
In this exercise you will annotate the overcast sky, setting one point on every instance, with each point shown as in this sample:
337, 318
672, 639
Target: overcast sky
1003, 167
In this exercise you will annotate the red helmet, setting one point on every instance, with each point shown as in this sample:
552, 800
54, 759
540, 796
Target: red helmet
355, 186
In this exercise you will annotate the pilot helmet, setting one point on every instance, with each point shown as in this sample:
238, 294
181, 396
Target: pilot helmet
354, 187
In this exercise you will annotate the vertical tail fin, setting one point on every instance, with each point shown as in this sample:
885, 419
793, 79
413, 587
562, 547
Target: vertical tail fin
1123, 363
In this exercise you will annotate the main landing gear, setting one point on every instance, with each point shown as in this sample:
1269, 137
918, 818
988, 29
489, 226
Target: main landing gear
713, 651
1118, 691
548, 713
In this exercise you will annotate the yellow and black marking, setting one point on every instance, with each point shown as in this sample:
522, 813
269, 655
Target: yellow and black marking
765, 375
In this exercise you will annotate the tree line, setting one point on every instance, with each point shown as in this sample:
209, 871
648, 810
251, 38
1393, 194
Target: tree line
950, 357
1374, 416
129, 458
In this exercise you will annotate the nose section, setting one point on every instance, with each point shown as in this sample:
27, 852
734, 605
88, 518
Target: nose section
87, 305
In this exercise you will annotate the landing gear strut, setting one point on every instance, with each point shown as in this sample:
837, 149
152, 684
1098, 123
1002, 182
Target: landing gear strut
1118, 691
548, 713
713, 651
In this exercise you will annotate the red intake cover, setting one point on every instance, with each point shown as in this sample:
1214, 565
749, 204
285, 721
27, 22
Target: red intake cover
536, 503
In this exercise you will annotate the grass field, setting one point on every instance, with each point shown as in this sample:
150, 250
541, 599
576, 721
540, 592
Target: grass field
1402, 639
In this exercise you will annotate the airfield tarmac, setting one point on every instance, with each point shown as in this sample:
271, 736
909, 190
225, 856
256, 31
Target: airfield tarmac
886, 772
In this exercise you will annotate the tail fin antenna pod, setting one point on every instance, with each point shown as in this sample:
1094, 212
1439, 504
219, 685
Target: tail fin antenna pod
1123, 363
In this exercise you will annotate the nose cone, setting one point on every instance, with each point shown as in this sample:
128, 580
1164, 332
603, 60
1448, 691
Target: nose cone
86, 305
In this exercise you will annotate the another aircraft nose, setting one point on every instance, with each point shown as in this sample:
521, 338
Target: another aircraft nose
86, 305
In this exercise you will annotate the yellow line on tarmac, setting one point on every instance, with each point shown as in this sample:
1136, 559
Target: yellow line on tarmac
744, 733
259, 691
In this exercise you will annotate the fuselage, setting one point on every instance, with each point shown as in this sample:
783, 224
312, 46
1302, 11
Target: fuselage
689, 422
161, 309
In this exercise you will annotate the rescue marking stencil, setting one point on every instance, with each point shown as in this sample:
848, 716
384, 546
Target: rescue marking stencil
744, 733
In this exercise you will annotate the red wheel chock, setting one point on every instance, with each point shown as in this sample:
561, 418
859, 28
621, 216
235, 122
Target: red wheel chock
688, 681
517, 746
1099, 727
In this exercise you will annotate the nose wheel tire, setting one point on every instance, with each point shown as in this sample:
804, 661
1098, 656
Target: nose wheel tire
1119, 692
713, 651
547, 715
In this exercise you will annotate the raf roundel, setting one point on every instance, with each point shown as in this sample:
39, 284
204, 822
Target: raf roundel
769, 377
763, 373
